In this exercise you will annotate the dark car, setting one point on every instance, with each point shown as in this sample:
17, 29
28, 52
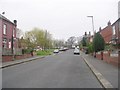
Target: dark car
86, 52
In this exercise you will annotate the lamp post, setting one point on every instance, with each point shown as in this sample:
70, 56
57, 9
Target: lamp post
92, 23
93, 30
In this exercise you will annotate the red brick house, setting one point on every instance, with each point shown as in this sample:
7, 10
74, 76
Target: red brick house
88, 37
116, 32
8, 31
106, 33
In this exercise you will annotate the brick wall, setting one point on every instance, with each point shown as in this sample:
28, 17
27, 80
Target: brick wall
7, 58
107, 58
98, 56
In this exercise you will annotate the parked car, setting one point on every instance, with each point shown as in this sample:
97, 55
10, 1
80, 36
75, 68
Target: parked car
76, 51
56, 51
63, 49
86, 52
78, 47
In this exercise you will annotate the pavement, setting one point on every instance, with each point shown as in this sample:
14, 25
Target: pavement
106, 73
15, 62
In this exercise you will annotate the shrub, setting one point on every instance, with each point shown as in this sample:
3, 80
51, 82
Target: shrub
98, 43
90, 48
26, 51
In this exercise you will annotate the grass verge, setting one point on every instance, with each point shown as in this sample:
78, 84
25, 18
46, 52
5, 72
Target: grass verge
45, 52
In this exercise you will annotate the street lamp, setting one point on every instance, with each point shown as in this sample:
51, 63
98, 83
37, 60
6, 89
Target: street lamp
93, 29
92, 23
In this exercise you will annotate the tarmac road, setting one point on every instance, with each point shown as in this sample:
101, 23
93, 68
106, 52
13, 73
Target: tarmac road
63, 70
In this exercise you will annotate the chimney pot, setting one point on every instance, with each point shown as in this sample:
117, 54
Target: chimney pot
15, 22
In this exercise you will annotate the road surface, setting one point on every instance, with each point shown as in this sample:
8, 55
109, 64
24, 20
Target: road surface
64, 70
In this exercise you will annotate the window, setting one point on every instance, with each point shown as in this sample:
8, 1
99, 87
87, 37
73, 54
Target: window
113, 30
5, 29
13, 32
9, 44
4, 43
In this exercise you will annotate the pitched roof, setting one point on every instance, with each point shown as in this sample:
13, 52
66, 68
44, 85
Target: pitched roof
116, 21
4, 18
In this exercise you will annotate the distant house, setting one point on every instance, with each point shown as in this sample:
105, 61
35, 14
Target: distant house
116, 32
88, 37
8, 30
106, 33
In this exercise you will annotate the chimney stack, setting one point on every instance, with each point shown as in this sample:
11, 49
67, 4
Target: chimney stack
85, 33
109, 23
15, 22
100, 29
89, 33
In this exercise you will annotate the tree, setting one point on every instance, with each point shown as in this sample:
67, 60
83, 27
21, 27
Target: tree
38, 37
58, 43
98, 42
48, 40
90, 47
84, 42
71, 41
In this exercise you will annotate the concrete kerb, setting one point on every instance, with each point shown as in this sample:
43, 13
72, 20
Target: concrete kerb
105, 83
4, 66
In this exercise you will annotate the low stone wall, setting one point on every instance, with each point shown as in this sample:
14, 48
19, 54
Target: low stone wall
7, 58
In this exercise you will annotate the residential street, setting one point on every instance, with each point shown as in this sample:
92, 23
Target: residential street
64, 70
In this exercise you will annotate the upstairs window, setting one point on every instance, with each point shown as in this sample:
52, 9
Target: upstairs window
13, 32
113, 30
5, 29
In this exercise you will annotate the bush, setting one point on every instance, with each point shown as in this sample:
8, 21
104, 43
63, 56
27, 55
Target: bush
98, 42
26, 51
84, 42
90, 48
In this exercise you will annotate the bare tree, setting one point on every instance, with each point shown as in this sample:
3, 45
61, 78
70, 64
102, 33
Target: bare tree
71, 41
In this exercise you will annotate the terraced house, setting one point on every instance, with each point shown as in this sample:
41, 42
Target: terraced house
8, 31
116, 33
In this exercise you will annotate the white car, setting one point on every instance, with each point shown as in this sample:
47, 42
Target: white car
76, 51
56, 51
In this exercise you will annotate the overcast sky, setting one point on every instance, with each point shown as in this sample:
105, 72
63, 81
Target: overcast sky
62, 18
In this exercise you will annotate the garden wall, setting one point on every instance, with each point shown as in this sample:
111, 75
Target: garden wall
109, 58
6, 58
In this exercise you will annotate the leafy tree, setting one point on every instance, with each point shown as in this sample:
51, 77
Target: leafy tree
84, 42
98, 42
90, 47
38, 37
58, 43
